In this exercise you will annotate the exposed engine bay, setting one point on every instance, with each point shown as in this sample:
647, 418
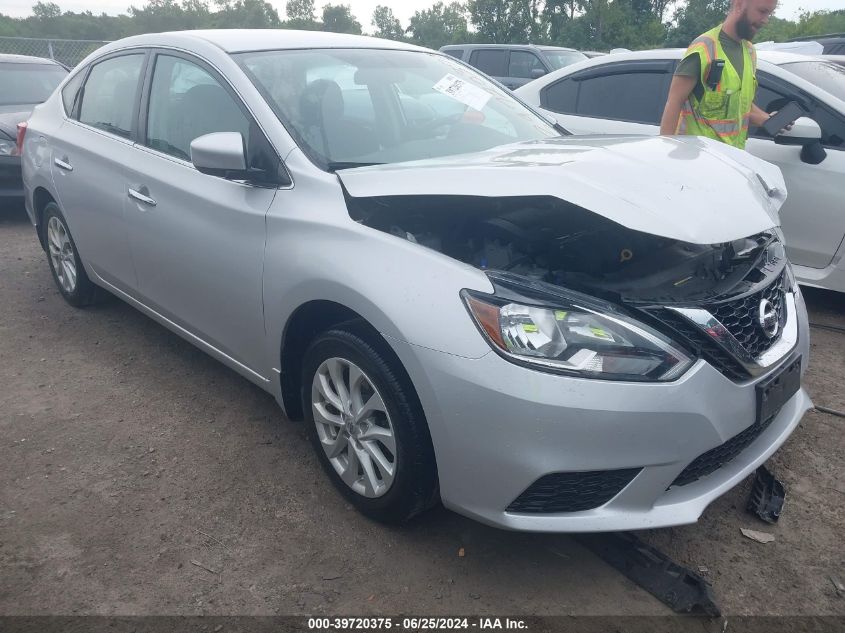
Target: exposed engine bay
549, 240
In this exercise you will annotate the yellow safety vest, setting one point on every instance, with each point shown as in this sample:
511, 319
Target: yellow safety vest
723, 113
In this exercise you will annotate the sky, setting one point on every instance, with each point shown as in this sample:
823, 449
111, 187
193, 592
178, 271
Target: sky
361, 9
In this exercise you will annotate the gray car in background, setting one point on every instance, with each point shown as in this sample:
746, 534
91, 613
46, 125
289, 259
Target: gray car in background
514, 65
547, 333
24, 83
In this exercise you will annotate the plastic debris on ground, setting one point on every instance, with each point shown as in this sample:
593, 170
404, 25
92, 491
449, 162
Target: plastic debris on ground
767, 496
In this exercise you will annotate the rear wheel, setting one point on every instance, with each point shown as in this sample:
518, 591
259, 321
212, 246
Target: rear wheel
367, 426
65, 264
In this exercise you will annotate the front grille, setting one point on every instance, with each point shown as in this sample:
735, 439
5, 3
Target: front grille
715, 458
740, 317
572, 492
706, 347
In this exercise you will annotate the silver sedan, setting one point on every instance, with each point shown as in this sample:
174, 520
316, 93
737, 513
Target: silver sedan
464, 303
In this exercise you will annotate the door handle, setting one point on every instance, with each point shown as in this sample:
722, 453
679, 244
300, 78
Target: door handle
140, 197
63, 164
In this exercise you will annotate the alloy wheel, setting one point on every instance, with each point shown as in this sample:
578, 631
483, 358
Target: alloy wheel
61, 254
354, 427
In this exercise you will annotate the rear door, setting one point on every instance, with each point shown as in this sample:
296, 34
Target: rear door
90, 154
617, 98
198, 240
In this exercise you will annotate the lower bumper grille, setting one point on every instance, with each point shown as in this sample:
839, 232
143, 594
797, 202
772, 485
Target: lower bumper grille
715, 458
572, 492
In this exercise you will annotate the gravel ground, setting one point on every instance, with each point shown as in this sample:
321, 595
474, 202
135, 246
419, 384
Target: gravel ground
139, 476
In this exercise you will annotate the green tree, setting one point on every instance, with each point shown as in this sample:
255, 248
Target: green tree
386, 24
820, 23
694, 18
301, 15
502, 21
339, 19
46, 10
245, 14
439, 25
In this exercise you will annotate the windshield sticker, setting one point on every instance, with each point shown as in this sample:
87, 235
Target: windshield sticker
460, 90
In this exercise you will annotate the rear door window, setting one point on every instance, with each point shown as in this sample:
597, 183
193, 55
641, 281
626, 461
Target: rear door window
630, 91
638, 97
110, 95
491, 61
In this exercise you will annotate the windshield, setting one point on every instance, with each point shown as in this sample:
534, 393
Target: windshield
22, 84
559, 59
825, 75
347, 107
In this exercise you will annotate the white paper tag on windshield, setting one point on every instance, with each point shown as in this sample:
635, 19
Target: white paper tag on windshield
463, 91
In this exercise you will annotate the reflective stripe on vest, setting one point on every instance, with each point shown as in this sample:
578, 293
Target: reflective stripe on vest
723, 113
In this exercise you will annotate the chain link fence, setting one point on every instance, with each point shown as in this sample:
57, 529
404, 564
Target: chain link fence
67, 52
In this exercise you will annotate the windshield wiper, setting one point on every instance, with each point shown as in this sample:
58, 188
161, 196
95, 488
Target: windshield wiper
335, 165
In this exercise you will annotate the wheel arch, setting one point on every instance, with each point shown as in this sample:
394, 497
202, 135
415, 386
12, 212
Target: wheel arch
40, 199
305, 323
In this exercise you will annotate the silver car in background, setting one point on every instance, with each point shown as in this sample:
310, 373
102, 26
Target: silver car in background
547, 333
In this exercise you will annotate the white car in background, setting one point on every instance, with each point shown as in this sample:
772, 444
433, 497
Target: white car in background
625, 94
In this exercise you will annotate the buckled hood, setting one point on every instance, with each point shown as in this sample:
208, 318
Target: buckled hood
685, 188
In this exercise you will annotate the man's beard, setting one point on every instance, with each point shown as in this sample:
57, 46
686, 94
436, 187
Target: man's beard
744, 28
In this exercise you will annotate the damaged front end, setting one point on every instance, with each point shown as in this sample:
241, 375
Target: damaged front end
580, 294
619, 264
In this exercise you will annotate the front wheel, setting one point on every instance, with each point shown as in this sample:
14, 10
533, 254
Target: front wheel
367, 426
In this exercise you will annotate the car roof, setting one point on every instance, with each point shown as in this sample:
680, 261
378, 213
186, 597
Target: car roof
773, 57
245, 40
510, 46
26, 59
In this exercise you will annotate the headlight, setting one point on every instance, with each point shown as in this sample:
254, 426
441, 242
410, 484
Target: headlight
7, 148
576, 339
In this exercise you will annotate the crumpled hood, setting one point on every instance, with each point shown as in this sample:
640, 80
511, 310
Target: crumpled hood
10, 116
685, 188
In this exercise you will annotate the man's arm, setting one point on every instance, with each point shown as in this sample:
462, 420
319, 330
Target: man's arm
757, 116
679, 90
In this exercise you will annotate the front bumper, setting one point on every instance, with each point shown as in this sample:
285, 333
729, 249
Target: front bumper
497, 428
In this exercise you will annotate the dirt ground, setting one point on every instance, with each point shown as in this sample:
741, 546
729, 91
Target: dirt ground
139, 476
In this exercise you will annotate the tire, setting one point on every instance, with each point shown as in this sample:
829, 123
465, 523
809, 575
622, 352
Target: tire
67, 269
412, 486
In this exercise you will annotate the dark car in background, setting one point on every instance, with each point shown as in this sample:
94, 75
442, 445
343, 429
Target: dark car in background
24, 83
514, 65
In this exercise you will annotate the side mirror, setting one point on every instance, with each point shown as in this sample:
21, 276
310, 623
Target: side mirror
806, 133
220, 154
803, 131
536, 73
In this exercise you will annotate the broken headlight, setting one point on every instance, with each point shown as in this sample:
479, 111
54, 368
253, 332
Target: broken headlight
576, 339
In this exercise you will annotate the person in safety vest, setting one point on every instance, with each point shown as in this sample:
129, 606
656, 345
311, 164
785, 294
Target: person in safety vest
712, 92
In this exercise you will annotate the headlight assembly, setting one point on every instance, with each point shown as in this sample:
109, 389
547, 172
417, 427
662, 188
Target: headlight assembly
576, 339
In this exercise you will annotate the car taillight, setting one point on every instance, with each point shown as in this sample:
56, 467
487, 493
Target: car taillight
21, 135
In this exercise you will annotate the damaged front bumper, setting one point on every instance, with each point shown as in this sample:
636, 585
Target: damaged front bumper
498, 430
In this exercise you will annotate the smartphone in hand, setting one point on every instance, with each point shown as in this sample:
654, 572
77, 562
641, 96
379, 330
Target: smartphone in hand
783, 117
